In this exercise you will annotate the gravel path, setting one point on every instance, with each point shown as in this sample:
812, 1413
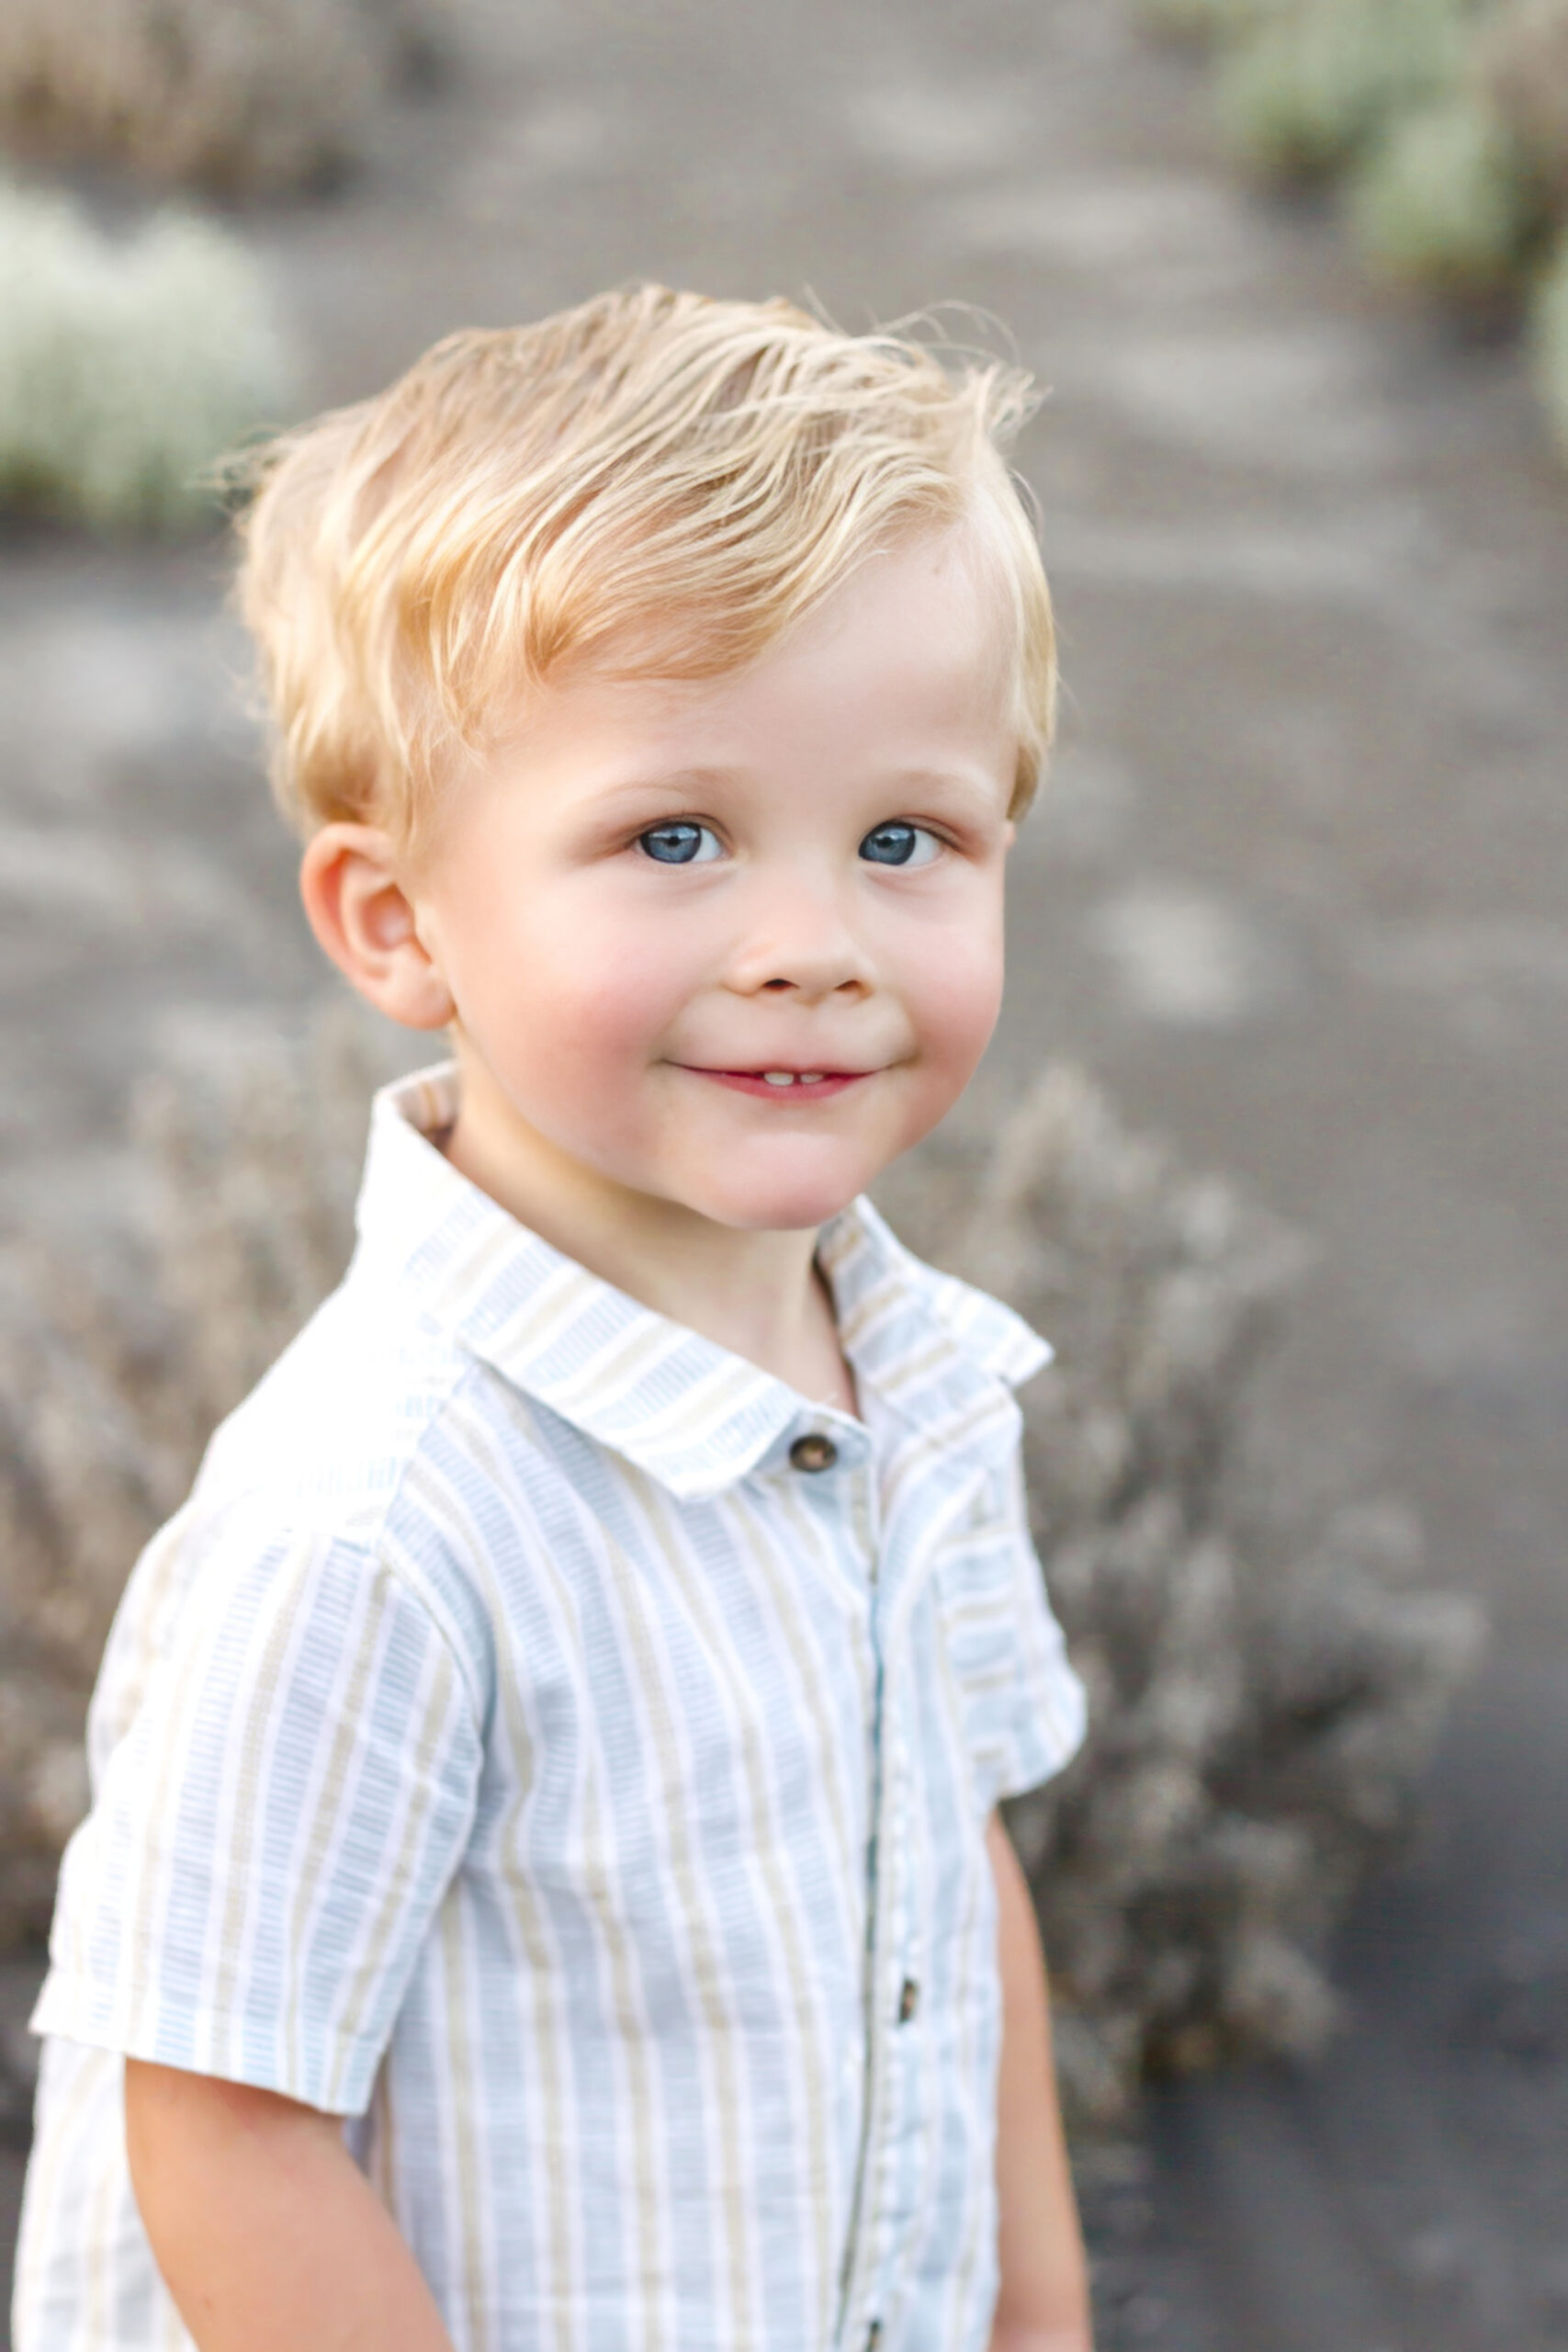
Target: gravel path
1301, 897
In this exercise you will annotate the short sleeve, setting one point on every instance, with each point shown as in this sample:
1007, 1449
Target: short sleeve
1023, 1702
1049, 1713
274, 1835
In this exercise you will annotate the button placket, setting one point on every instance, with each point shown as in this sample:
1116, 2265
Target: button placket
894, 2109
897, 2061
907, 1540
868, 2265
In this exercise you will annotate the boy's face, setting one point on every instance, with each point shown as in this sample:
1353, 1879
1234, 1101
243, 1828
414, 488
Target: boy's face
665, 898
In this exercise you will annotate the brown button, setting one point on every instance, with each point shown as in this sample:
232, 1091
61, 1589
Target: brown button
909, 2000
814, 1452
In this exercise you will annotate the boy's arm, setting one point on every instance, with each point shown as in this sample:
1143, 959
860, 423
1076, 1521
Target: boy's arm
1043, 2303
268, 2235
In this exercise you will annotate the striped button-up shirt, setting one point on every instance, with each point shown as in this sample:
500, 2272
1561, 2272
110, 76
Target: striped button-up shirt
561, 1749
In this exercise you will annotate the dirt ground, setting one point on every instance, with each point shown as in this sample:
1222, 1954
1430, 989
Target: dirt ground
1300, 897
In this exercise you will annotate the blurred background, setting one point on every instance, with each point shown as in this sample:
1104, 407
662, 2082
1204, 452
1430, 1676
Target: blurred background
1272, 1136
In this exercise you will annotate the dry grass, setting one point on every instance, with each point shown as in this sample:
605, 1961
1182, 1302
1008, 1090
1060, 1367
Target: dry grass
1522, 54
1263, 1701
105, 1402
240, 96
1549, 335
1263, 1697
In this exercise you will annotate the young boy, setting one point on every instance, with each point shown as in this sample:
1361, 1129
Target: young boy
543, 1887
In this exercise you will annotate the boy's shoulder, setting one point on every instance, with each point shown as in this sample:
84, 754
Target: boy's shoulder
328, 1436
308, 1504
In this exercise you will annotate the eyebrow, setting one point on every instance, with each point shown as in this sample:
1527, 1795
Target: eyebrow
664, 780
695, 781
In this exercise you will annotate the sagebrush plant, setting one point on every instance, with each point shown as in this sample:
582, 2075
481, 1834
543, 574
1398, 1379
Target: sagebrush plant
1448, 116
1262, 1702
1199, 19
1305, 88
1442, 203
1522, 67
1263, 1696
240, 96
127, 364
107, 1398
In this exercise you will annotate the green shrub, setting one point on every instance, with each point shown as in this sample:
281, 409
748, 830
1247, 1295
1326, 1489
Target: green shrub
1303, 91
1443, 201
1450, 115
1549, 335
1199, 19
125, 364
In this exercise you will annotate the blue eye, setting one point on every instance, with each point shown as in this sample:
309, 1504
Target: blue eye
899, 844
680, 844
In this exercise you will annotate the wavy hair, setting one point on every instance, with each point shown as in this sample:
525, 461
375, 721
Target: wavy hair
653, 483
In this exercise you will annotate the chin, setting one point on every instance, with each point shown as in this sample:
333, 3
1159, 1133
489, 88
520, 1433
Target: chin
780, 1201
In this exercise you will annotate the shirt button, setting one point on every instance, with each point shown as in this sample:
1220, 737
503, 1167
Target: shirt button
909, 2000
814, 1452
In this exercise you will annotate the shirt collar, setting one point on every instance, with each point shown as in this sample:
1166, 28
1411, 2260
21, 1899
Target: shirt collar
692, 1414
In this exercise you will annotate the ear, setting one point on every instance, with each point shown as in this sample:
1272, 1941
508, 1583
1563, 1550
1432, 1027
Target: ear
353, 884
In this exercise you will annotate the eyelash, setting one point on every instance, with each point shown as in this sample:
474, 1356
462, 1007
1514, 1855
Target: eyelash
668, 830
677, 831
920, 834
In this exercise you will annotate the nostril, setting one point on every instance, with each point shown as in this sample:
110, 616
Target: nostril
775, 984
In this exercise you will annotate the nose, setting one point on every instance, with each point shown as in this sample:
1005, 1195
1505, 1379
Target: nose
800, 943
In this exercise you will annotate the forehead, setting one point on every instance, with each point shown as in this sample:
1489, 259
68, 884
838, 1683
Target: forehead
914, 651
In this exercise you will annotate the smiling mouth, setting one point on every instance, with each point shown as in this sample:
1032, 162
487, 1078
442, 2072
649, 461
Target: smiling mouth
814, 1084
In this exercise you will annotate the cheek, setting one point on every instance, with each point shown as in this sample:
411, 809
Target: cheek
571, 997
954, 993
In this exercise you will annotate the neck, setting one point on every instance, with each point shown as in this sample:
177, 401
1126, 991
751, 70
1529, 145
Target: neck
758, 1295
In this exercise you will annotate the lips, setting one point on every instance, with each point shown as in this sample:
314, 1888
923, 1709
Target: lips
783, 1085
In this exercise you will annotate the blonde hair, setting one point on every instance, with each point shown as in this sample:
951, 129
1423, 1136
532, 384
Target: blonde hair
654, 482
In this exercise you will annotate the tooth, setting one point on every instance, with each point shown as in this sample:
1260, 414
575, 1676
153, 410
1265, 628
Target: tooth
811, 1077
779, 1077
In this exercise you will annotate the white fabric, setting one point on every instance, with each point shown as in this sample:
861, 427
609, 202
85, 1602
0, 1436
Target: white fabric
508, 1748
